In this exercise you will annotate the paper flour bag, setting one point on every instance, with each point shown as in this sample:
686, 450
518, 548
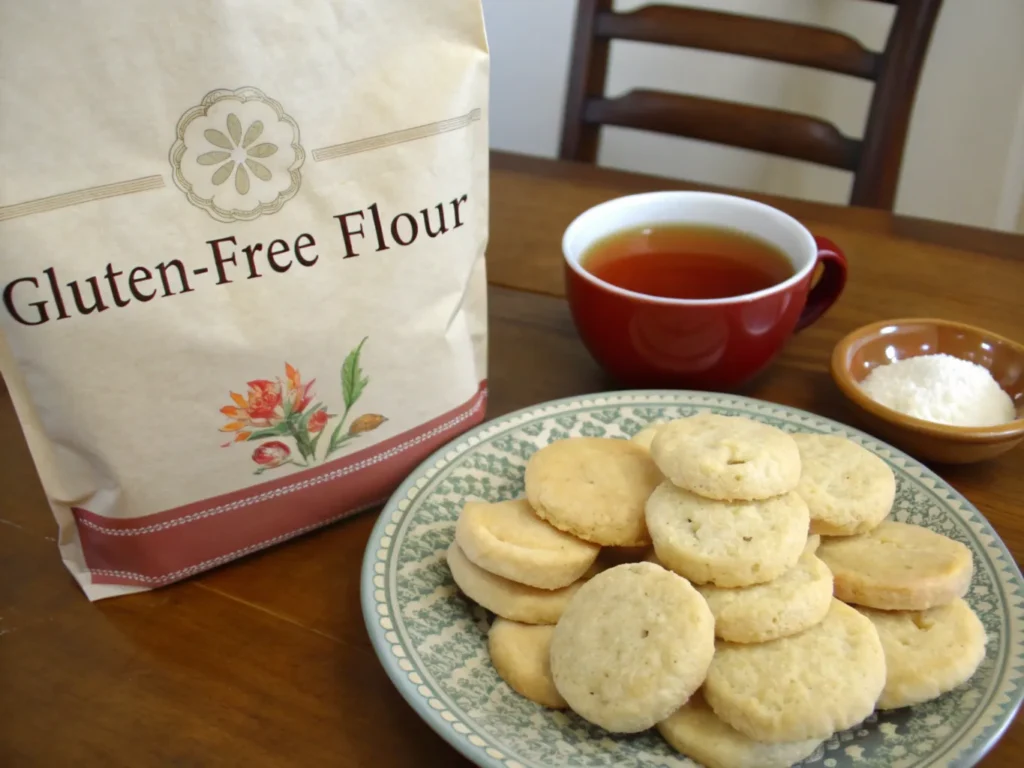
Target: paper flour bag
241, 262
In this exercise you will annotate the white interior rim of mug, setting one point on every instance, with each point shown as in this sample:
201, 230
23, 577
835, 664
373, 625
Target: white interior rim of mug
771, 218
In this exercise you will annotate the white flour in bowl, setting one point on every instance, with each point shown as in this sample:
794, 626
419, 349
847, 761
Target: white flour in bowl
941, 388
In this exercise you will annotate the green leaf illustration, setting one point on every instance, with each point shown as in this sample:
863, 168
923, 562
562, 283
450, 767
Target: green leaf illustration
353, 382
316, 440
262, 434
338, 439
303, 421
299, 431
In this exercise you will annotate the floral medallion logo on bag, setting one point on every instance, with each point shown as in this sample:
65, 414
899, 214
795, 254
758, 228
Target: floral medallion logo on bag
237, 155
275, 409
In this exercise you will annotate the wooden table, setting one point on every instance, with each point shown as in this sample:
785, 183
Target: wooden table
266, 662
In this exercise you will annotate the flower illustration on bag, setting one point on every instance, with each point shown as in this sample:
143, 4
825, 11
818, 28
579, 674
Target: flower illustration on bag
299, 395
318, 421
260, 409
229, 153
237, 155
275, 409
271, 455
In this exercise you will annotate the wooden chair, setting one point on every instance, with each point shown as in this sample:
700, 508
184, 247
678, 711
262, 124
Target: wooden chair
875, 160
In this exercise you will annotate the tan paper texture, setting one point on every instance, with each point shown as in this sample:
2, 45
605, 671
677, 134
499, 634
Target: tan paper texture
242, 263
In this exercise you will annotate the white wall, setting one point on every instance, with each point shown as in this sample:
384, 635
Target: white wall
961, 159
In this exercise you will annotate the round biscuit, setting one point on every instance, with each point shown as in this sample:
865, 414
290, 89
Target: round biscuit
506, 598
697, 732
795, 601
848, 489
726, 543
927, 653
806, 686
521, 654
632, 646
727, 457
898, 567
594, 488
509, 540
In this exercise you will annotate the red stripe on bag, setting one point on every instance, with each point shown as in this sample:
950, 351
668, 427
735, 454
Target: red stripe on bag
172, 545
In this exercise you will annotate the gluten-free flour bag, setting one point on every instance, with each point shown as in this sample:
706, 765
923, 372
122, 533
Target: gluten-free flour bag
241, 262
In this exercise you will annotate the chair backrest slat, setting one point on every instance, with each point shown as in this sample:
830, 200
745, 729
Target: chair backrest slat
760, 38
738, 125
875, 160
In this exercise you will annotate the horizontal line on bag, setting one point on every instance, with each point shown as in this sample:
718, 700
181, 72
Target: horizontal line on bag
87, 195
396, 137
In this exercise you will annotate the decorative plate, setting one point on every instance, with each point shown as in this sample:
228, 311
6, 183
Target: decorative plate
433, 642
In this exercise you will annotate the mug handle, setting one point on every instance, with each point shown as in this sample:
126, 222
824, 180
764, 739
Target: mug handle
825, 292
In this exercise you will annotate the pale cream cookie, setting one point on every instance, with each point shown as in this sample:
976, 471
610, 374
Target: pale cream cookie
632, 646
594, 488
506, 598
795, 601
727, 457
697, 732
806, 686
729, 544
927, 653
898, 567
848, 489
521, 654
509, 540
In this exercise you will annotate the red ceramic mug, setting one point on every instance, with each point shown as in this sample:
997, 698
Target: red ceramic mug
713, 344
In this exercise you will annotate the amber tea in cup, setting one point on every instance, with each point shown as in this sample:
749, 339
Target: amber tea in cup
693, 290
687, 261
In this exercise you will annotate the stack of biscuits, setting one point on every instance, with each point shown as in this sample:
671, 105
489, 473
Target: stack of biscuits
698, 579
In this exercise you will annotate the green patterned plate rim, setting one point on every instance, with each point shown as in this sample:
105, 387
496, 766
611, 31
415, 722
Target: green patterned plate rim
432, 642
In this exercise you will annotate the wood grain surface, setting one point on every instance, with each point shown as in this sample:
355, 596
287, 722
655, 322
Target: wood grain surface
266, 661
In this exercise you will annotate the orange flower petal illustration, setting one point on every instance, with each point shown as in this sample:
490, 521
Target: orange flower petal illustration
233, 426
293, 376
242, 436
231, 412
239, 400
303, 397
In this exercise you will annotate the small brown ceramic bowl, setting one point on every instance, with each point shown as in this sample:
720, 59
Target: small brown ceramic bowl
881, 343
